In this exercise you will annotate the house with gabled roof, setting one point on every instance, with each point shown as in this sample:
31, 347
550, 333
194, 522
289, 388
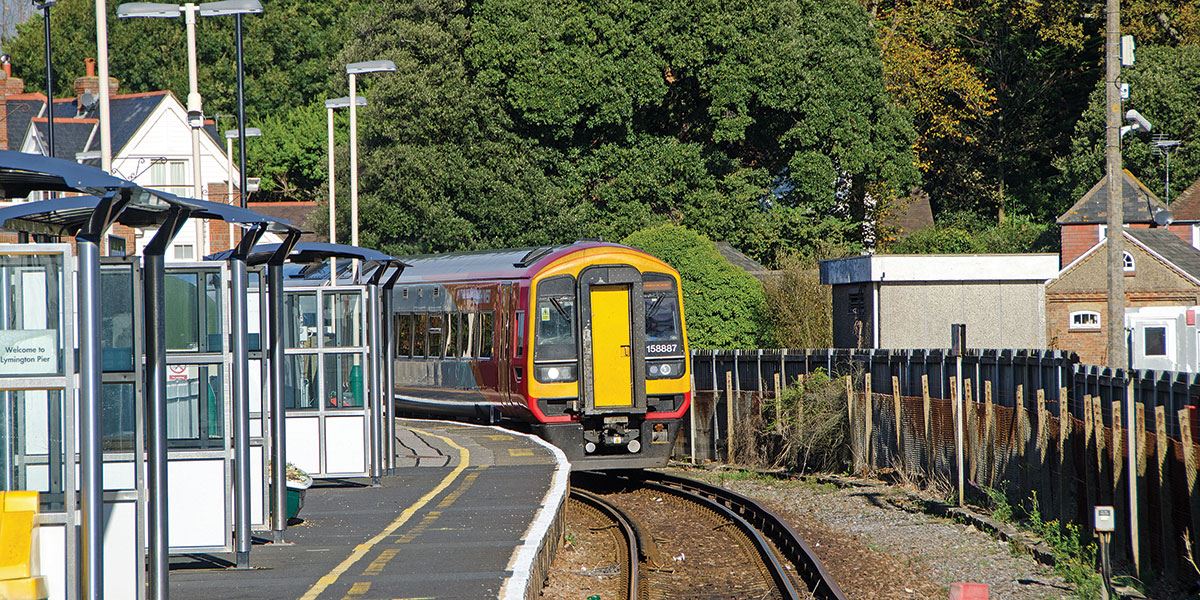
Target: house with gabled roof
151, 145
1085, 224
1162, 272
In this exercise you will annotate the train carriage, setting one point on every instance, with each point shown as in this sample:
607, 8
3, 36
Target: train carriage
584, 345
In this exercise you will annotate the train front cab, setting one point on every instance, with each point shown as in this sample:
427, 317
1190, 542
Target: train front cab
612, 388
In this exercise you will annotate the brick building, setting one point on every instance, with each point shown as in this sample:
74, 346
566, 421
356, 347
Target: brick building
1161, 270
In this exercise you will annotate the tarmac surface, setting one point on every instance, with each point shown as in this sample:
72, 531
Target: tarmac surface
439, 528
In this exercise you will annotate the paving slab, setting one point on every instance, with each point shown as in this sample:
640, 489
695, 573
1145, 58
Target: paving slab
439, 528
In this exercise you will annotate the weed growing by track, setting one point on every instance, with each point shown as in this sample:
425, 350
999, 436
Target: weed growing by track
1074, 560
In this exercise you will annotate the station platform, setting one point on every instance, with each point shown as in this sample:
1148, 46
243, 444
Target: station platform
472, 512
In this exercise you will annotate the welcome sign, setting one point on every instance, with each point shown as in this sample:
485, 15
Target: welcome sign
29, 352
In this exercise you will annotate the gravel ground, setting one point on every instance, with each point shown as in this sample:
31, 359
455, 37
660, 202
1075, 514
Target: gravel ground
876, 550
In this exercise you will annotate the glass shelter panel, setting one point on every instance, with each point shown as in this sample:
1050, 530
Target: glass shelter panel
31, 342
343, 320
195, 411
344, 380
300, 314
116, 320
120, 417
31, 432
300, 382
193, 305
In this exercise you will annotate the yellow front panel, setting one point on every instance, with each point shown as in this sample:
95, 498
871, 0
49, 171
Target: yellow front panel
612, 361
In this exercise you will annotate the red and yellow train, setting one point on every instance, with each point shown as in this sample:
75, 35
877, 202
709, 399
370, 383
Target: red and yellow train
584, 345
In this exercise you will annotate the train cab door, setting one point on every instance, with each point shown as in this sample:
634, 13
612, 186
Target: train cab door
613, 340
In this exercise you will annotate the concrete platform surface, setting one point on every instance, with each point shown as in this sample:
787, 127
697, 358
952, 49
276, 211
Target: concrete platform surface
439, 528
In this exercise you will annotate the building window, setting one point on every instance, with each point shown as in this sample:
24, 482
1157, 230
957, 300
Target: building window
856, 305
183, 252
1156, 341
1127, 259
170, 176
1085, 319
116, 246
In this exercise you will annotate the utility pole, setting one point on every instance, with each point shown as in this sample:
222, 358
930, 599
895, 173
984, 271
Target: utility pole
1116, 217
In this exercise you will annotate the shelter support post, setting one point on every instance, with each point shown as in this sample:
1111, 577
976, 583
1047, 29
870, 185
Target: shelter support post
91, 486
376, 423
154, 297
239, 344
91, 457
389, 379
278, 500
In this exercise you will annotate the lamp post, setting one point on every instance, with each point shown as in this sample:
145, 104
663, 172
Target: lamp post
230, 135
195, 111
44, 6
330, 106
353, 70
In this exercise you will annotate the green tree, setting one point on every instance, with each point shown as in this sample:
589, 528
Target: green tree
291, 158
1164, 85
724, 306
441, 168
765, 125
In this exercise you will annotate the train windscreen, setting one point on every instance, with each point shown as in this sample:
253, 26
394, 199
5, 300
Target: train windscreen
663, 331
555, 315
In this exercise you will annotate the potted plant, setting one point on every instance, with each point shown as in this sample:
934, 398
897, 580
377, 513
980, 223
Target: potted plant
298, 481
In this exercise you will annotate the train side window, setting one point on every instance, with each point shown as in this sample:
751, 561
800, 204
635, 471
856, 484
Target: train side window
404, 335
487, 322
453, 335
437, 335
419, 346
467, 328
520, 333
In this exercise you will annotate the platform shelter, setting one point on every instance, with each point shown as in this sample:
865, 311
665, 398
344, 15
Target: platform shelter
336, 367
147, 443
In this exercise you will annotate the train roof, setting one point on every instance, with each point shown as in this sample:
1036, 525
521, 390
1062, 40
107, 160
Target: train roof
513, 263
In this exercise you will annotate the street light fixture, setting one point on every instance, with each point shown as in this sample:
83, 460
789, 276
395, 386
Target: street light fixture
354, 70
44, 6
230, 135
330, 106
195, 109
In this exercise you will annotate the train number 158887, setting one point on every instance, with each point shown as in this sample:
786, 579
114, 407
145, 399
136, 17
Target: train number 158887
661, 348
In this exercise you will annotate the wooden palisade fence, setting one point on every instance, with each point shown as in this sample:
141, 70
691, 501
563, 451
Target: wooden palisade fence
1035, 423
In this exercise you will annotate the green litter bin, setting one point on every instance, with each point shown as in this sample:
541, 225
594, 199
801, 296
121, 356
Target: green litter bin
356, 386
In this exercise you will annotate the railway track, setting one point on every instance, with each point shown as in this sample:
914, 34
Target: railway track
634, 549
793, 569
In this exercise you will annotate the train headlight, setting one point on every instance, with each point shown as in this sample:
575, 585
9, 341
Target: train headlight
555, 374
668, 369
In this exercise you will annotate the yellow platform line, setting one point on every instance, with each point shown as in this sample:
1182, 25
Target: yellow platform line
361, 550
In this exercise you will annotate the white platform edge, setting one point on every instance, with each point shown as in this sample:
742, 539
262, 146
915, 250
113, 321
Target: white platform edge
516, 585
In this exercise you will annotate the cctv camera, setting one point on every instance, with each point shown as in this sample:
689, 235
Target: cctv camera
1138, 122
195, 119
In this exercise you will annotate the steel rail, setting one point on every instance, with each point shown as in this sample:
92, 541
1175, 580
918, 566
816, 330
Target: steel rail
757, 521
631, 533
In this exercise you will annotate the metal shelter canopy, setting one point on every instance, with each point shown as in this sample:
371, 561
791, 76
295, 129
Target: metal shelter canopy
314, 254
22, 173
66, 216
310, 252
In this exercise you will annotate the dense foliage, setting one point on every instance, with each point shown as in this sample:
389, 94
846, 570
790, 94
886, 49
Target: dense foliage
725, 306
781, 126
765, 125
966, 233
1165, 87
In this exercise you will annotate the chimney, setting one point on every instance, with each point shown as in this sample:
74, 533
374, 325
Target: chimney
9, 86
90, 84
